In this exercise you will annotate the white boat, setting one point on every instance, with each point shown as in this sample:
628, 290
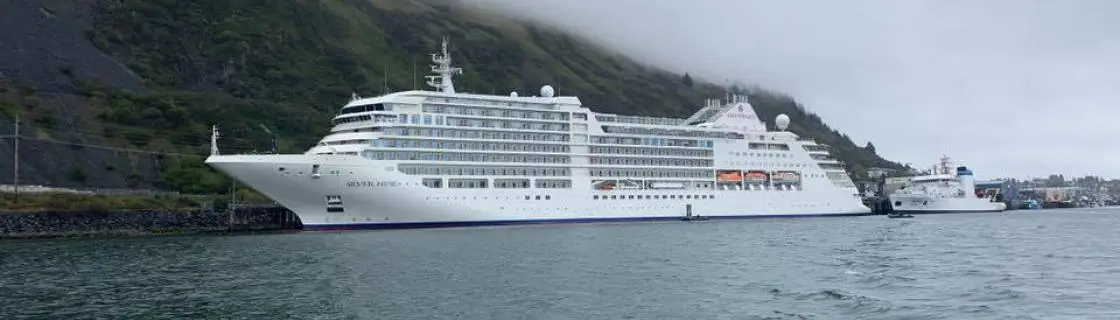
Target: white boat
442, 158
943, 191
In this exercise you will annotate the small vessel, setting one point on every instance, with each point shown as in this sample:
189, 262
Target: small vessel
943, 191
688, 216
694, 218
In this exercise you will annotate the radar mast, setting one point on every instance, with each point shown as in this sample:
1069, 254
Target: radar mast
443, 70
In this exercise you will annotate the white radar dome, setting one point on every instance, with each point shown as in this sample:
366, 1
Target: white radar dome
513, 94
546, 91
782, 121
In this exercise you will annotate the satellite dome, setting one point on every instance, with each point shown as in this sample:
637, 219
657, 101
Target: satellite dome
782, 121
513, 94
546, 91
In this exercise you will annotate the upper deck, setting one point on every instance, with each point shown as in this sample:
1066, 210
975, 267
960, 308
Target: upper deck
546, 118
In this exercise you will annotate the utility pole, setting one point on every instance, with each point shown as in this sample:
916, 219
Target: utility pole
15, 160
232, 202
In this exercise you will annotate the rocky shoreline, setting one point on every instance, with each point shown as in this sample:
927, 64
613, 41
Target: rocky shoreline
77, 224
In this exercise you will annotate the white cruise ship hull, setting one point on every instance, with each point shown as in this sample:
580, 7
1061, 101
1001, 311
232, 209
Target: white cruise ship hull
928, 205
351, 192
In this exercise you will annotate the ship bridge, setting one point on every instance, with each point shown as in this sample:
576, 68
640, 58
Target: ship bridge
734, 114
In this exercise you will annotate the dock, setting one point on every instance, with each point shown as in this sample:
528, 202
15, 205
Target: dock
880, 205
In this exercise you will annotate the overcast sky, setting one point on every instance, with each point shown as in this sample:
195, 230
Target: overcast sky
1007, 87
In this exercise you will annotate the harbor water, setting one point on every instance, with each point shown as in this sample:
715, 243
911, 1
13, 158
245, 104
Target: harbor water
1038, 264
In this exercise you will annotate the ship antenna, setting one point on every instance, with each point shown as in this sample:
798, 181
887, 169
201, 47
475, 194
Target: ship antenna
442, 81
727, 89
385, 80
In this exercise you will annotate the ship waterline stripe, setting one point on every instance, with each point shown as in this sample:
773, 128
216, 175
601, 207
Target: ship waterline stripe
945, 211
480, 223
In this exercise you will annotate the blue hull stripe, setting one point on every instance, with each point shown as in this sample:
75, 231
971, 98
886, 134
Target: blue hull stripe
944, 211
453, 224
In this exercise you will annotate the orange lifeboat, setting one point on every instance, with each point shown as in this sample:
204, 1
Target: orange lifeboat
787, 176
730, 176
757, 176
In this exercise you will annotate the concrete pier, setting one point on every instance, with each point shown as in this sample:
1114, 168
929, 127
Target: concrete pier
879, 205
54, 224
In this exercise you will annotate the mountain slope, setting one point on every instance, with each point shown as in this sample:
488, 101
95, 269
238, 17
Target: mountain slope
289, 65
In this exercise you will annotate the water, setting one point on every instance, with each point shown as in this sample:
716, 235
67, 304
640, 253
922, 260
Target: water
1017, 265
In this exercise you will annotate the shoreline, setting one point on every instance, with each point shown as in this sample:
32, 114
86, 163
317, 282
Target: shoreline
81, 224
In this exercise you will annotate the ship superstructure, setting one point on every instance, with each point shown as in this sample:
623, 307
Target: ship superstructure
443, 158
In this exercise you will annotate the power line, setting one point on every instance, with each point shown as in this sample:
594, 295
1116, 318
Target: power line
174, 140
65, 130
101, 135
103, 126
78, 135
17, 137
86, 145
84, 120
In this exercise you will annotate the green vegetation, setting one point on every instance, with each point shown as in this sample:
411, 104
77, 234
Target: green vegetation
64, 201
291, 64
71, 201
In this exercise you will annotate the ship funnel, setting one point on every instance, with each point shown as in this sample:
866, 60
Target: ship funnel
968, 183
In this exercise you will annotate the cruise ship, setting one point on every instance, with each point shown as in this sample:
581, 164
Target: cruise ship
439, 158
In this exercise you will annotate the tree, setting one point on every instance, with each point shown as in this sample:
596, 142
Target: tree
869, 147
687, 80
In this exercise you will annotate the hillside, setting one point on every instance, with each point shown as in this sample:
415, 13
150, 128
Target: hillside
154, 74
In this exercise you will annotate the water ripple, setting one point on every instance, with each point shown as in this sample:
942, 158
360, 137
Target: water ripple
1017, 265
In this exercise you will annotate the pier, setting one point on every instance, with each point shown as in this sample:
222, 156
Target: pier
64, 224
880, 205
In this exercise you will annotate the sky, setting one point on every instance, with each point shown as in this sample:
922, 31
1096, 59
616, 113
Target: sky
1009, 88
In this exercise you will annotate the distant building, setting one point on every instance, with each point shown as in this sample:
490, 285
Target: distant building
1000, 187
892, 184
879, 172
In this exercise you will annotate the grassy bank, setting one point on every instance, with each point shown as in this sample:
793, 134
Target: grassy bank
83, 202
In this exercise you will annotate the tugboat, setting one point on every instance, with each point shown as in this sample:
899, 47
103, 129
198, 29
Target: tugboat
691, 218
894, 214
886, 206
688, 216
